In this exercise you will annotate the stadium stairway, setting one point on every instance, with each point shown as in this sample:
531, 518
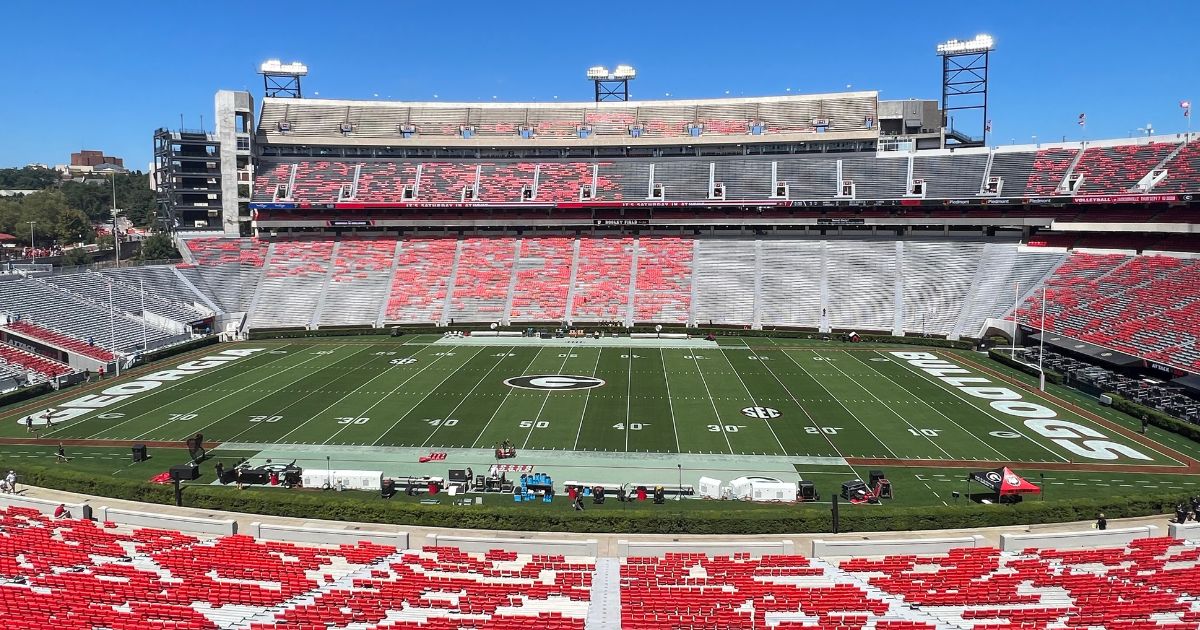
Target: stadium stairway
604, 613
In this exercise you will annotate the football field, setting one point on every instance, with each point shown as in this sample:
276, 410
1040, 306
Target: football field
836, 401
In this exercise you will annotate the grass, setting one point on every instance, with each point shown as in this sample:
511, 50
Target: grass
827, 400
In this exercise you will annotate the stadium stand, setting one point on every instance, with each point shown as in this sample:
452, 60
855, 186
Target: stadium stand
17, 360
602, 280
292, 285
1049, 169
212, 251
1183, 171
1108, 170
424, 269
663, 284
482, 280
358, 283
1144, 305
544, 274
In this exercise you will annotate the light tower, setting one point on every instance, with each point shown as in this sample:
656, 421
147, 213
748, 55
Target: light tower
282, 79
965, 89
612, 85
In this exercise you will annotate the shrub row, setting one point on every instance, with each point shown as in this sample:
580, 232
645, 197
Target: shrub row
1156, 417
368, 507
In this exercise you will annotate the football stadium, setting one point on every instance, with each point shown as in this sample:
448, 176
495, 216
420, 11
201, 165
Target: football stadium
825, 360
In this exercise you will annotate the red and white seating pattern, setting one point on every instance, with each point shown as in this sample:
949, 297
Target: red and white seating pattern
443, 588
543, 279
60, 340
218, 251
71, 574
481, 283
1113, 170
300, 259
384, 182
319, 182
422, 275
1183, 171
602, 279
1147, 306
30, 362
1150, 583
697, 591
664, 280
1049, 168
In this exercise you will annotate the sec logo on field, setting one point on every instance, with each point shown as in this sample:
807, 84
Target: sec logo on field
554, 382
762, 413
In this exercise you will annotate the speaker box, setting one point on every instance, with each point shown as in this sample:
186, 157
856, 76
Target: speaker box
183, 472
139, 453
808, 491
875, 476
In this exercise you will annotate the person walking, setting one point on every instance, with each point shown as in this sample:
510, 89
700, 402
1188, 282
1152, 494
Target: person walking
61, 454
10, 481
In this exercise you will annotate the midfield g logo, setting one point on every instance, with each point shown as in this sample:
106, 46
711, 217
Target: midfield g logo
554, 382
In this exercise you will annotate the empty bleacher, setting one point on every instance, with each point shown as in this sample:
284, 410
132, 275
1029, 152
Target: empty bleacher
292, 284
485, 267
791, 276
936, 278
664, 280
543, 279
725, 271
358, 282
862, 281
1146, 306
419, 286
602, 280
1112, 170
14, 359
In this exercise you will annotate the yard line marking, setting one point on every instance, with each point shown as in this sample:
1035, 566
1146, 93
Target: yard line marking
159, 390
927, 404
377, 402
754, 402
839, 402
889, 407
986, 412
509, 393
504, 355
628, 398
232, 392
713, 402
587, 397
546, 399
428, 394
670, 405
290, 404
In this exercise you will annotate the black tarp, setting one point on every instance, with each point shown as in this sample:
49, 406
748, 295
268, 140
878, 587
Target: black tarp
1098, 355
1191, 382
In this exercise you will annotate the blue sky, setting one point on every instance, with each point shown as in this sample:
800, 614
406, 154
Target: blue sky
83, 75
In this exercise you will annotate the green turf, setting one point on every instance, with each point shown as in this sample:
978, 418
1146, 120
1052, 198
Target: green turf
832, 401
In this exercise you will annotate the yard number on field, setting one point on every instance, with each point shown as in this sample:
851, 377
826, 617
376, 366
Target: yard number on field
181, 416
265, 418
820, 430
728, 428
352, 420
404, 361
925, 432
633, 426
531, 424
441, 422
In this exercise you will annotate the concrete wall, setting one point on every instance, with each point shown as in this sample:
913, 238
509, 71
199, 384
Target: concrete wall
1184, 531
1076, 540
42, 505
756, 549
898, 546
319, 536
219, 527
519, 545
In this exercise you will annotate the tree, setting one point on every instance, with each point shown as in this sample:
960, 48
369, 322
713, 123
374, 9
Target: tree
158, 247
73, 227
76, 257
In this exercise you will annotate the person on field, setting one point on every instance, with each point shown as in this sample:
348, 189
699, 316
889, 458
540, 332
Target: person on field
61, 454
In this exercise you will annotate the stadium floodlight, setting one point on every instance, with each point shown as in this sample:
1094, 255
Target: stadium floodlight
282, 79
275, 66
981, 43
612, 85
624, 71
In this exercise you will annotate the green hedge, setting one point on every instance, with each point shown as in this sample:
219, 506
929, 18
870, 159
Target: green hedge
558, 517
23, 394
1156, 417
166, 353
1000, 357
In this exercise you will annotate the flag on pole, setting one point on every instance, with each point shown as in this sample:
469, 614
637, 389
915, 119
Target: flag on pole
988, 127
1187, 108
1082, 119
